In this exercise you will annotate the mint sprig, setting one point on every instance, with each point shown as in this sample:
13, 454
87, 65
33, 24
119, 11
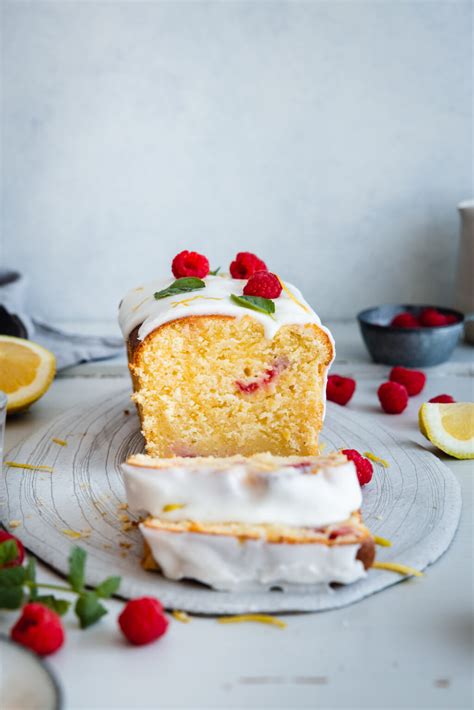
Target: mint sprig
183, 285
18, 584
88, 609
255, 303
77, 569
12, 580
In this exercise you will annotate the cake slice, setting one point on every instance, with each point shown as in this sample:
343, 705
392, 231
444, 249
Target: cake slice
229, 556
311, 490
212, 376
248, 522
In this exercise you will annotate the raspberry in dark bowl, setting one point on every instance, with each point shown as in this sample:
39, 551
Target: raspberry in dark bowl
410, 335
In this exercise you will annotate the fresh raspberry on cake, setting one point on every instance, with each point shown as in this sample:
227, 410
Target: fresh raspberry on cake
4, 535
39, 629
432, 318
405, 320
246, 265
263, 284
393, 397
143, 621
363, 466
190, 263
442, 399
413, 380
340, 389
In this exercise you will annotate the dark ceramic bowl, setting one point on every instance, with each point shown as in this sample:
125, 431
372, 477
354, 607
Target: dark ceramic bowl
411, 347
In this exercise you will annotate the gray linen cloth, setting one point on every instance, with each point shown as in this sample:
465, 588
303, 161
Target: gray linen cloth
69, 348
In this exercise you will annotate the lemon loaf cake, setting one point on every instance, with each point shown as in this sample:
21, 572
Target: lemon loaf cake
259, 489
246, 522
223, 365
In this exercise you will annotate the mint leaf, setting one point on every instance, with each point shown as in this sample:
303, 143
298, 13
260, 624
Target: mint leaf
88, 609
11, 587
30, 570
215, 272
30, 577
77, 565
12, 576
8, 551
60, 606
184, 285
108, 587
11, 597
255, 303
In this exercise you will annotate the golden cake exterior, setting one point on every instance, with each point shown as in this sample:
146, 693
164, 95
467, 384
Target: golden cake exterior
212, 378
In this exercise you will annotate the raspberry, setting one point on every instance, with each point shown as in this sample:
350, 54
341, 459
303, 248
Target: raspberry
246, 265
143, 620
451, 318
363, 466
263, 284
4, 535
443, 399
345, 530
413, 380
432, 318
393, 397
39, 629
190, 263
340, 389
405, 320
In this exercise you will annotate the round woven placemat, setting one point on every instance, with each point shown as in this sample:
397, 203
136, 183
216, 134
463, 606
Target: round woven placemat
415, 503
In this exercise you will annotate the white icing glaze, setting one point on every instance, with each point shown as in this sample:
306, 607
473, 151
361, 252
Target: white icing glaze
227, 563
237, 492
139, 307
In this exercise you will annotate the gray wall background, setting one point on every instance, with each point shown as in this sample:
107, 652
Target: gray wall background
331, 138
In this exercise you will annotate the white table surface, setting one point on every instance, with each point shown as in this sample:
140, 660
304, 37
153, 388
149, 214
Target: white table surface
408, 646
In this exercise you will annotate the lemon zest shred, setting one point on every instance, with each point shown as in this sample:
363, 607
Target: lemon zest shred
60, 442
382, 541
187, 301
173, 506
181, 616
74, 535
29, 466
259, 618
291, 295
139, 305
14, 523
396, 567
376, 459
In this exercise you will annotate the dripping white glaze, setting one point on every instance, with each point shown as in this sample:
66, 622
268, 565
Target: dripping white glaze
227, 563
210, 490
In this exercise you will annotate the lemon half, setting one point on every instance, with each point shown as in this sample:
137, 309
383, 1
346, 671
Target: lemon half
26, 371
450, 427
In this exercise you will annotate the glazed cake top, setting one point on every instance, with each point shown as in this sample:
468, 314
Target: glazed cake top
140, 308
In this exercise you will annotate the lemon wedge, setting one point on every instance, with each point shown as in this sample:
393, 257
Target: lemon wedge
450, 427
26, 371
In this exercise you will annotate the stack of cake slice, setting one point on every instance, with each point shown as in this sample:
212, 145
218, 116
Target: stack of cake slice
229, 375
251, 522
